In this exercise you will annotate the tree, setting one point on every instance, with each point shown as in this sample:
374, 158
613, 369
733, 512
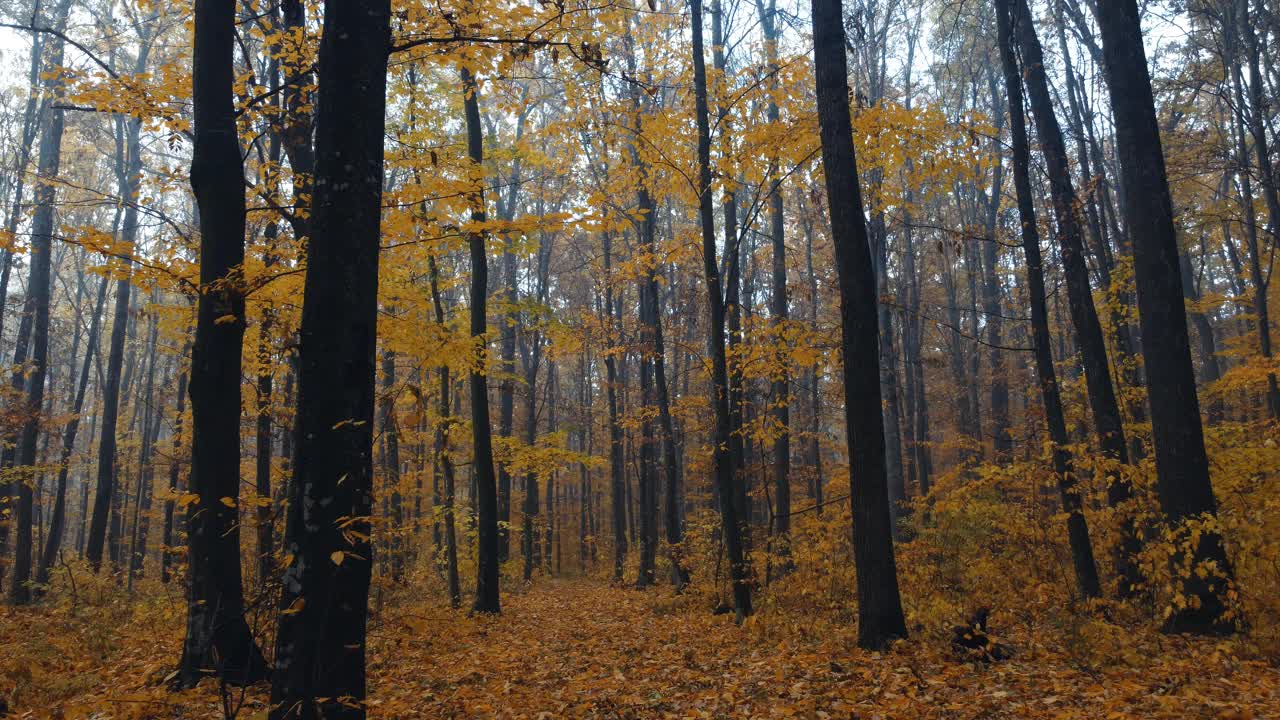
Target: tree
218, 638
880, 618
1086, 570
443, 459
38, 294
128, 171
1108, 424
726, 483
320, 640
781, 386
57, 523
488, 566
1182, 466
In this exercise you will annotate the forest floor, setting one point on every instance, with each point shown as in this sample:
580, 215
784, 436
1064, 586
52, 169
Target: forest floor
581, 649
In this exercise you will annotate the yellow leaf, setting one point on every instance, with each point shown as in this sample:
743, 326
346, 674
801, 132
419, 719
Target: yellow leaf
337, 556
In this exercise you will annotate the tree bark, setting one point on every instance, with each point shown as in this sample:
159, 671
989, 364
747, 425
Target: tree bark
38, 294
1086, 570
444, 460
1084, 318
57, 523
1182, 466
726, 483
321, 630
487, 567
880, 618
218, 639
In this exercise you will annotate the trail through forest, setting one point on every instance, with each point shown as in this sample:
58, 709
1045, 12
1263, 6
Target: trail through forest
582, 649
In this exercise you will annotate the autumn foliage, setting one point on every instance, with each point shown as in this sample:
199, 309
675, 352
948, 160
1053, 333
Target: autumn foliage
557, 145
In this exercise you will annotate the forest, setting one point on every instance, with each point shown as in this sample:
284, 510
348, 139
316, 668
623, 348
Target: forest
639, 359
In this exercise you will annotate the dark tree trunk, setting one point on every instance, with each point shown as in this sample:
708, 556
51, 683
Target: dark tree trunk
38, 293
1086, 570
444, 461
1084, 317
106, 473
32, 119
732, 302
529, 533
506, 398
391, 466
1210, 369
880, 618
726, 483
780, 388
265, 509
218, 638
57, 523
648, 475
320, 640
150, 431
617, 471
815, 377
992, 308
486, 491
1182, 466
169, 537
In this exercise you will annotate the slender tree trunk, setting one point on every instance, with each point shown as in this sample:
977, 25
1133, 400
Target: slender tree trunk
32, 118
150, 429
444, 460
1086, 570
726, 483
176, 485
218, 638
57, 522
265, 508
391, 466
617, 470
780, 388
815, 377
1084, 317
880, 618
486, 491
38, 295
1210, 369
107, 471
506, 397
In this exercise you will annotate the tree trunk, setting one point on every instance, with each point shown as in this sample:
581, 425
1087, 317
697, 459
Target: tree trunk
169, 536
1086, 570
1084, 317
617, 470
880, 618
487, 566
391, 467
444, 460
1182, 466
321, 631
726, 483
38, 294
106, 473
150, 431
32, 118
57, 522
218, 638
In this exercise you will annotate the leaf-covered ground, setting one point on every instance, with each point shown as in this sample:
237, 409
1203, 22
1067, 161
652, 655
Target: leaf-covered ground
582, 649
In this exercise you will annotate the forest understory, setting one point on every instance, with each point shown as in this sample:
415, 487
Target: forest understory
619, 359
584, 648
